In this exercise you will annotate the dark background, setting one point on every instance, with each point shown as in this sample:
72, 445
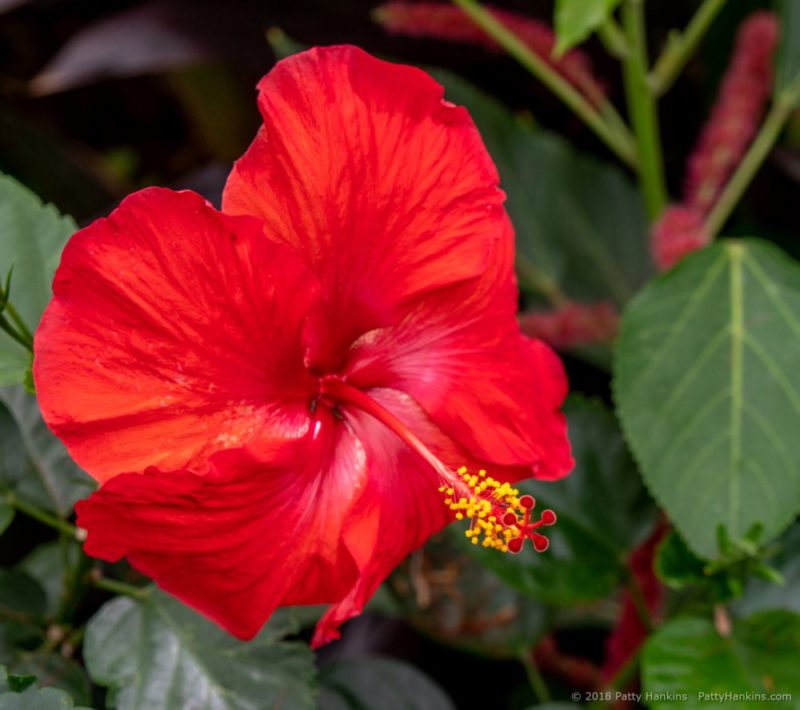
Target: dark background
161, 92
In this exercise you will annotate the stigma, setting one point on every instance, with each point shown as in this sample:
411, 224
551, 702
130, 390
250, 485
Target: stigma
499, 517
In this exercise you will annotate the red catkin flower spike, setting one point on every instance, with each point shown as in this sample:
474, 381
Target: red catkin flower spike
572, 324
734, 119
679, 231
445, 21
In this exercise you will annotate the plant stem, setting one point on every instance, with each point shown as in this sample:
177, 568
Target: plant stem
75, 638
637, 597
613, 39
24, 331
617, 123
76, 533
642, 109
117, 587
535, 679
619, 141
42, 516
533, 279
681, 46
8, 328
72, 589
626, 673
759, 149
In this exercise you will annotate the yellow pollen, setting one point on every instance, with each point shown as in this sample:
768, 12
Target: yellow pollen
484, 501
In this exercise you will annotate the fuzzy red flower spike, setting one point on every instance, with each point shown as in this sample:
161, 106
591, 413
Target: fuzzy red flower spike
272, 395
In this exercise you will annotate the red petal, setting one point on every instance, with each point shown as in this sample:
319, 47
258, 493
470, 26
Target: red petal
499, 398
320, 520
461, 356
174, 332
400, 507
385, 188
239, 541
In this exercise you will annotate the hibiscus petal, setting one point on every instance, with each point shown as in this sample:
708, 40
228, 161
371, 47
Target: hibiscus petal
459, 353
400, 507
385, 188
498, 396
174, 332
321, 520
239, 541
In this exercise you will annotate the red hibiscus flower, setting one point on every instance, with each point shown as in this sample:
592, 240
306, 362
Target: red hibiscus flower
272, 396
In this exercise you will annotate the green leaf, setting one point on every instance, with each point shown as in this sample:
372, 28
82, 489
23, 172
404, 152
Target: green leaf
157, 654
687, 657
716, 582
54, 671
364, 683
575, 20
38, 699
33, 237
14, 363
443, 590
676, 565
6, 516
33, 462
708, 390
18, 683
22, 693
19, 592
22, 611
603, 513
47, 564
579, 221
787, 63
761, 594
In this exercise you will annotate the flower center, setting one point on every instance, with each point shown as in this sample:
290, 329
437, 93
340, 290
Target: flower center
499, 517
